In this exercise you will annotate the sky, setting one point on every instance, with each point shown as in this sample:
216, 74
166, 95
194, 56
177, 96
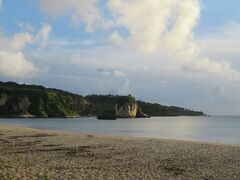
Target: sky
173, 52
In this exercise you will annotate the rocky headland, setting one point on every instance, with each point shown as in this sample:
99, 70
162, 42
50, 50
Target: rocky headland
30, 101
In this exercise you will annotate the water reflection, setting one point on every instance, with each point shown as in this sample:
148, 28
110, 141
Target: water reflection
210, 129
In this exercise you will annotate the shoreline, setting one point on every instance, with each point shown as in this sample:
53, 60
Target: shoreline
73, 117
32, 153
117, 135
112, 136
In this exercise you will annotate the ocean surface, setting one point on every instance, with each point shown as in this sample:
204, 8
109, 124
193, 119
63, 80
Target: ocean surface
220, 129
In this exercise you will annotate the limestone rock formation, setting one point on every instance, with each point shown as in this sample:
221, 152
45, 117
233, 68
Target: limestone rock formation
3, 99
127, 107
23, 103
126, 110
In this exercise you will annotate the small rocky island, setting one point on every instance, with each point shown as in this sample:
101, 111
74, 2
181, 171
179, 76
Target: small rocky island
126, 107
28, 101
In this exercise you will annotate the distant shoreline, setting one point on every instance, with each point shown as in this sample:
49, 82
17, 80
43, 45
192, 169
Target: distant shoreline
72, 117
21, 100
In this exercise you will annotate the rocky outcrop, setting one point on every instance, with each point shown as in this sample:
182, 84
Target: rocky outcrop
25, 114
3, 99
130, 111
23, 106
23, 103
17, 105
127, 107
126, 110
140, 113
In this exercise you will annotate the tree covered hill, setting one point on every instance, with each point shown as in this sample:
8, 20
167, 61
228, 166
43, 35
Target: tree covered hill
38, 101
27, 100
102, 102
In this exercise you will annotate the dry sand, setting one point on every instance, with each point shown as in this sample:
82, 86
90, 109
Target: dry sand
38, 154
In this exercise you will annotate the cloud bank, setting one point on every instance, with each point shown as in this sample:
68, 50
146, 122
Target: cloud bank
83, 11
42, 36
162, 27
155, 26
13, 63
166, 27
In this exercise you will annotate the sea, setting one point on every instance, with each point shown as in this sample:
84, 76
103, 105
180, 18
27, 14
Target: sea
216, 129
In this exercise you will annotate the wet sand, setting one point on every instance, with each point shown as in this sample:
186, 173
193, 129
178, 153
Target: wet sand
40, 154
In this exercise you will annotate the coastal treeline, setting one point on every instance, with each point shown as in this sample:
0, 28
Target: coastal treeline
38, 101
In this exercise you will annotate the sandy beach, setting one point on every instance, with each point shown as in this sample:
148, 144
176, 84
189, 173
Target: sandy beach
40, 154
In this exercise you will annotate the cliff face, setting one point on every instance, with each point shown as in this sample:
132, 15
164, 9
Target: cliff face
126, 110
37, 101
127, 107
17, 106
14, 105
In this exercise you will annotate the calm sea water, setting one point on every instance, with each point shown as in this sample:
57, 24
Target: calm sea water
209, 129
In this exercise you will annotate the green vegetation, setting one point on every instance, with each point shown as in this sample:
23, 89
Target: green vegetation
155, 109
126, 99
107, 114
43, 102
99, 103
16, 100
102, 102
46, 178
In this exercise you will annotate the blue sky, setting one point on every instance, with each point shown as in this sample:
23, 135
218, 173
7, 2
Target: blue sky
219, 13
214, 15
174, 52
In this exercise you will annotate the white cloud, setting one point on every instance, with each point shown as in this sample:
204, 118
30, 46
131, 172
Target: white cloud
155, 26
162, 27
43, 35
85, 11
113, 73
166, 27
0, 3
118, 73
21, 40
13, 63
